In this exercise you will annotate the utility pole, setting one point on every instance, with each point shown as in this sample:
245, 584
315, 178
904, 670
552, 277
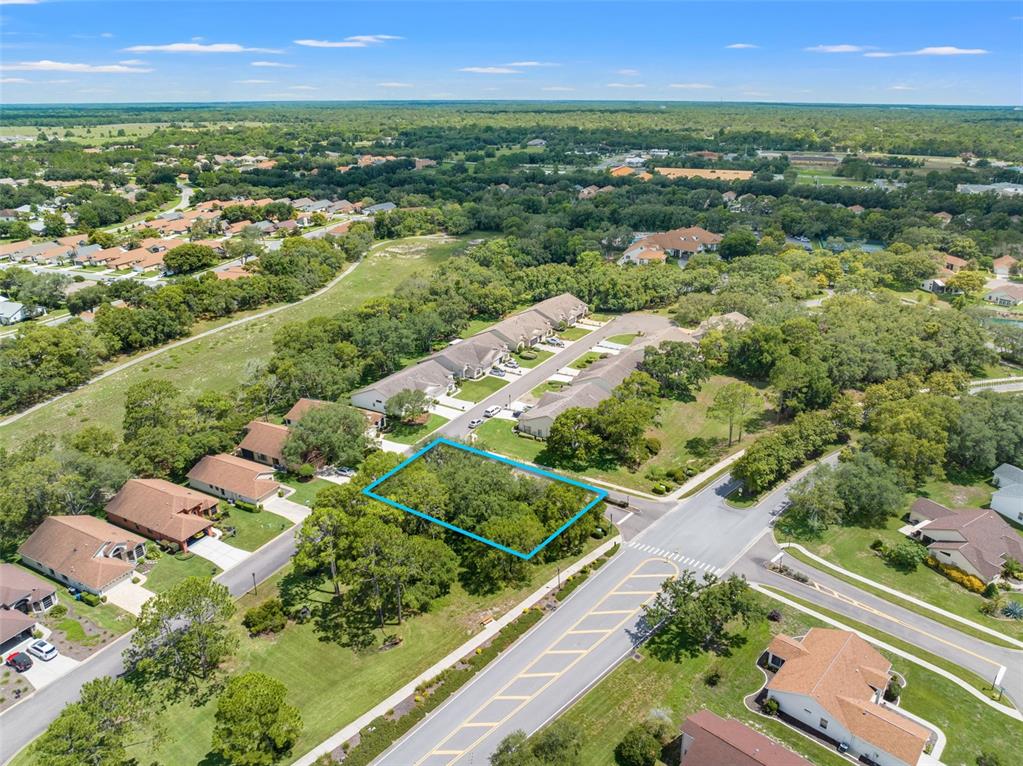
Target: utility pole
254, 592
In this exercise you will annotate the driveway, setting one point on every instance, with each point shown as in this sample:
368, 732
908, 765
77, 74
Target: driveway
220, 553
289, 509
129, 596
45, 673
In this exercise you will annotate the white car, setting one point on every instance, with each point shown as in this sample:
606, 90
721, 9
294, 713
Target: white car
44, 650
489, 412
475, 422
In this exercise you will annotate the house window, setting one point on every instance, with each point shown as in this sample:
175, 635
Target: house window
824, 723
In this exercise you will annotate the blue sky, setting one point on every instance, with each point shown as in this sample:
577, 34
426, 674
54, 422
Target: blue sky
866, 52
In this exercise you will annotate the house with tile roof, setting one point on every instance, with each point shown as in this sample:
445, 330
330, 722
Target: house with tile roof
301, 407
23, 591
1003, 267
832, 682
523, 330
84, 552
1006, 295
709, 740
472, 358
643, 254
162, 511
233, 478
429, 376
977, 541
264, 443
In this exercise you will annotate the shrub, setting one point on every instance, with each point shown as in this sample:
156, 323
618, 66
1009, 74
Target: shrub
988, 759
527, 354
638, 748
893, 691
956, 575
712, 678
268, 617
58, 611
248, 507
652, 445
658, 489
1013, 610
991, 591
306, 471
877, 545
770, 706
136, 580
90, 598
153, 552
774, 615
905, 556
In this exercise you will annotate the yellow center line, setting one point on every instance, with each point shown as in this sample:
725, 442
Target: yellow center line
579, 655
536, 675
510, 697
635, 592
594, 630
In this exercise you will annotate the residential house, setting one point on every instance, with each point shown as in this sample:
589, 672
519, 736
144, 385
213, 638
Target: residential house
232, 273
233, 478
472, 358
621, 171
523, 330
643, 253
341, 206
12, 312
1002, 189
1006, 295
943, 217
832, 682
954, 263
732, 320
84, 552
162, 511
709, 740
300, 408
382, 207
1008, 498
1003, 267
23, 591
429, 376
264, 443
977, 541
857, 209
15, 628
684, 242
562, 310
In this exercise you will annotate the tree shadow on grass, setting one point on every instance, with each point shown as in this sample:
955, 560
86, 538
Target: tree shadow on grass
670, 643
344, 621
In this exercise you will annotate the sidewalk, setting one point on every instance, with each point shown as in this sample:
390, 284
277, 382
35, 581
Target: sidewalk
904, 596
488, 632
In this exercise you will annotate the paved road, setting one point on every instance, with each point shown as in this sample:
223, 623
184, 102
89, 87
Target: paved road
27, 720
589, 634
836, 595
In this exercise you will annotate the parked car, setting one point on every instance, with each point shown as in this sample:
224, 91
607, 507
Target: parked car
489, 412
512, 364
556, 342
475, 422
44, 650
498, 372
348, 472
19, 661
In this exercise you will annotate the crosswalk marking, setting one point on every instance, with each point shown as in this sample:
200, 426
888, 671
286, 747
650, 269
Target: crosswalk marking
691, 563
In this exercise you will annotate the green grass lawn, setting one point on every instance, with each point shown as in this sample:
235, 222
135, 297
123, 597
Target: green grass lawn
686, 433
169, 571
254, 529
625, 338
478, 390
104, 615
499, 436
475, 326
550, 385
331, 684
574, 333
410, 434
849, 547
541, 356
218, 362
586, 360
635, 690
305, 491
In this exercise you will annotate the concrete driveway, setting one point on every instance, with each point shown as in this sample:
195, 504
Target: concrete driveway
44, 673
289, 509
129, 596
220, 553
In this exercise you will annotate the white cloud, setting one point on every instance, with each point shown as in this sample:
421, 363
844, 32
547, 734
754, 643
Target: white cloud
60, 82
901, 87
195, 47
106, 34
628, 72
45, 65
254, 82
303, 87
275, 64
13, 80
557, 89
936, 50
490, 70
625, 85
19, 2
132, 62
741, 46
691, 85
841, 48
355, 41
395, 85
532, 63
755, 93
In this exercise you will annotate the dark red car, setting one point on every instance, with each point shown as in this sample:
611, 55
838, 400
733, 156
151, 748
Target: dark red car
19, 661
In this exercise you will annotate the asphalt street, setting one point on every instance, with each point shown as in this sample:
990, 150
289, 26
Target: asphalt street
22, 723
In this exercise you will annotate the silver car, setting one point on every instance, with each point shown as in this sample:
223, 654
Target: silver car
44, 650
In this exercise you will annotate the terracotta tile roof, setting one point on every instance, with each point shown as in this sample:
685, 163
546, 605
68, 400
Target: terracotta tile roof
173, 512
842, 672
689, 239
955, 260
987, 539
16, 584
232, 272
710, 173
234, 474
266, 439
301, 407
726, 742
13, 623
75, 546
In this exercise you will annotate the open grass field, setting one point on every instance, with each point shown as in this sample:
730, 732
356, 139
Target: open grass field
254, 529
220, 362
168, 571
541, 356
305, 491
330, 683
498, 435
410, 434
636, 690
574, 333
849, 548
478, 390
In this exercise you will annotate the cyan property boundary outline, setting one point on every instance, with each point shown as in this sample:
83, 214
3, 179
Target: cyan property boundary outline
599, 495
